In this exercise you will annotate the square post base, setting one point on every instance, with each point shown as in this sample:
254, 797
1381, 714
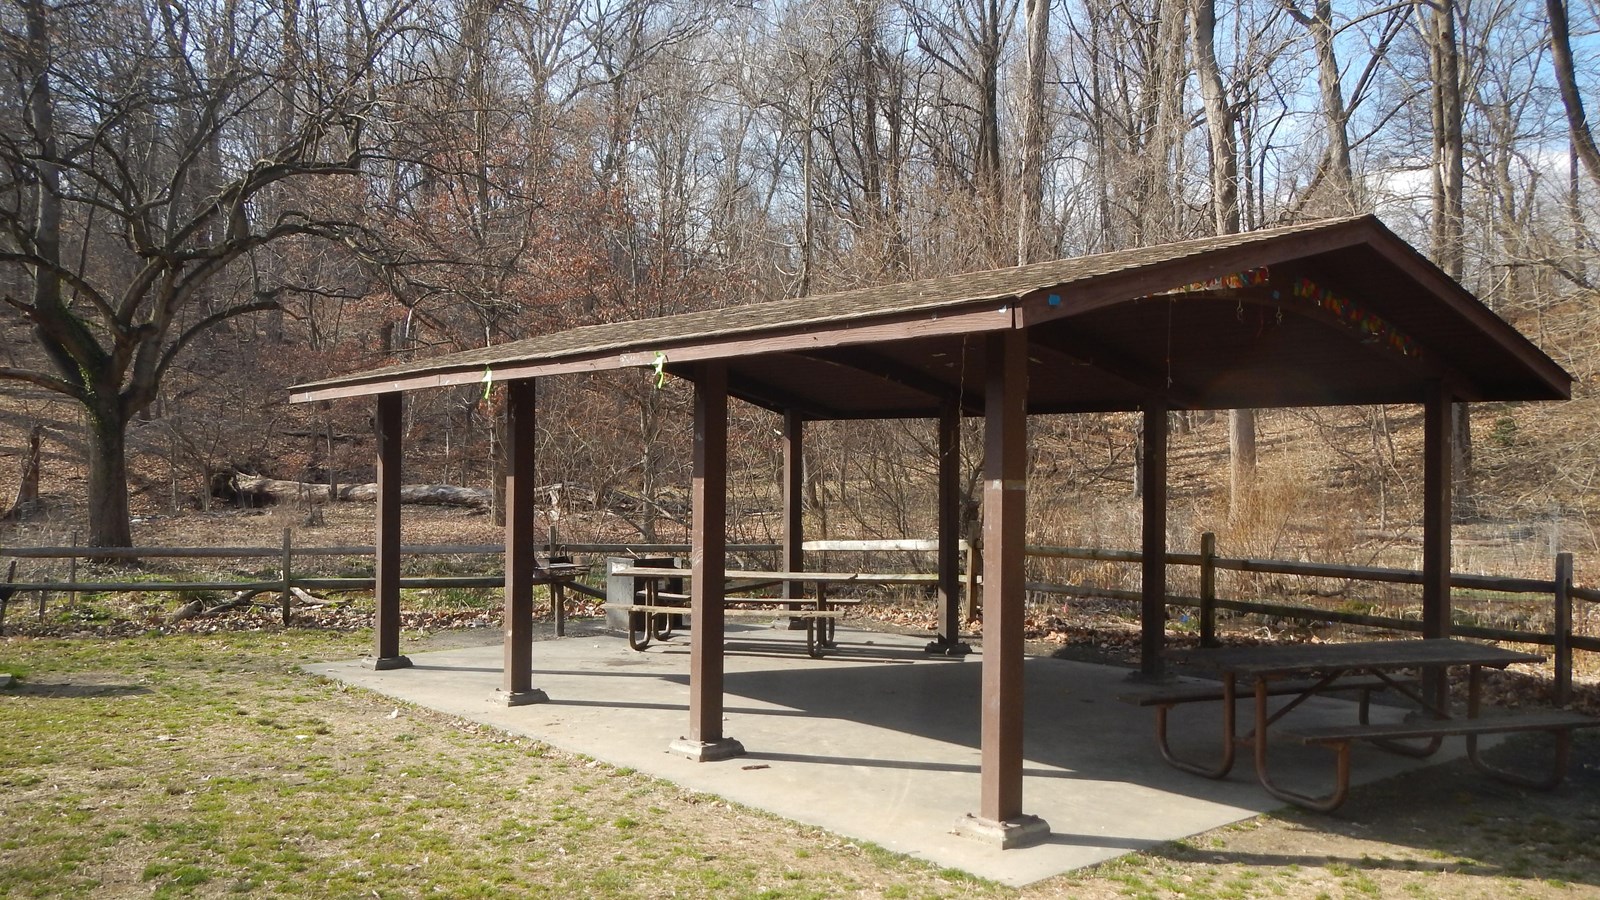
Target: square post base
385, 663
521, 698
707, 751
1023, 831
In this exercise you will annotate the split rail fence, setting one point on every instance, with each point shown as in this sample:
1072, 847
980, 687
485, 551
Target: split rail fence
1560, 588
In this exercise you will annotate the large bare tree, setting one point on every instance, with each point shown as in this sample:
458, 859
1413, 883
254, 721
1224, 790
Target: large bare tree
150, 148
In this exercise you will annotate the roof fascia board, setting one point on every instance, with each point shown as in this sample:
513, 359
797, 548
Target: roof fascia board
966, 320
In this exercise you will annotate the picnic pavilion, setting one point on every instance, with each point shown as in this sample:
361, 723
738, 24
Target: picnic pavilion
1334, 312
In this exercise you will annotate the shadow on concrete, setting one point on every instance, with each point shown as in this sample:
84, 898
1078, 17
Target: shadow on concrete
913, 764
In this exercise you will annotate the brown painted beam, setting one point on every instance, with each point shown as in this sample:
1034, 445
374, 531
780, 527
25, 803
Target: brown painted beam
1005, 496
386, 627
948, 552
521, 502
1153, 582
708, 564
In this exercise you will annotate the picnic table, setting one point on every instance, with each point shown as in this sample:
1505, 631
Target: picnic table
654, 617
1303, 671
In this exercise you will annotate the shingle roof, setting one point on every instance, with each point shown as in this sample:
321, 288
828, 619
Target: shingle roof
1136, 272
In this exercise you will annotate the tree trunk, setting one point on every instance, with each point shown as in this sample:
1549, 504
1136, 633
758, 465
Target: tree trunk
108, 480
27, 501
1566, 78
1335, 116
1219, 121
1449, 173
1449, 176
1032, 192
1462, 495
1241, 457
1225, 214
990, 186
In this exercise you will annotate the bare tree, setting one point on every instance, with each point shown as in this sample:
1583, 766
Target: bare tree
1031, 200
1447, 206
144, 165
1225, 218
1336, 171
1566, 79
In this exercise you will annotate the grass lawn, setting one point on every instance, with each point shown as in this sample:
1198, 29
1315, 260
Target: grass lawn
208, 765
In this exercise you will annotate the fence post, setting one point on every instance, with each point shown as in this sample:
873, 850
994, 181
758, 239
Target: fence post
72, 573
1563, 629
5, 594
288, 596
1208, 589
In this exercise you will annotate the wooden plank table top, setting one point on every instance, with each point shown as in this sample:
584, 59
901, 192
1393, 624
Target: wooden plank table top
1296, 659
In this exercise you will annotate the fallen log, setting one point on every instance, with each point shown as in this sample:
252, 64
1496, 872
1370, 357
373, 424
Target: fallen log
306, 599
273, 490
195, 609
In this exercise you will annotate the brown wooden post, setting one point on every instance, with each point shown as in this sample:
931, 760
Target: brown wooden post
1000, 819
948, 553
1438, 438
286, 597
1153, 567
1208, 589
793, 547
516, 686
708, 568
1563, 629
386, 627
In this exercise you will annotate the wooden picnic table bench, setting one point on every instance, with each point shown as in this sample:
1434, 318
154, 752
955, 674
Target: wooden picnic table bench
1303, 671
654, 618
1165, 697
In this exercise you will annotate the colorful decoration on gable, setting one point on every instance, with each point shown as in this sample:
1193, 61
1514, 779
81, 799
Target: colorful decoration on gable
1372, 326
1247, 278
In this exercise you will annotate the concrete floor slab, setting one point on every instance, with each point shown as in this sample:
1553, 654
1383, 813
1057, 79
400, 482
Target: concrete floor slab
879, 741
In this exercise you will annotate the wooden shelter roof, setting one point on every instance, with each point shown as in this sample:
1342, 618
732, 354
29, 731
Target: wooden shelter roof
1330, 312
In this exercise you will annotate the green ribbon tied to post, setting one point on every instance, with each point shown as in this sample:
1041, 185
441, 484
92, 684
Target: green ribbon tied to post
488, 382
660, 367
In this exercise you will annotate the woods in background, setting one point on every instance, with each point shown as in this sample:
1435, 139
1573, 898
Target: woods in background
201, 204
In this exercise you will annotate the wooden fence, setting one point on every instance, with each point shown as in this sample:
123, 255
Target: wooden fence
1559, 587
